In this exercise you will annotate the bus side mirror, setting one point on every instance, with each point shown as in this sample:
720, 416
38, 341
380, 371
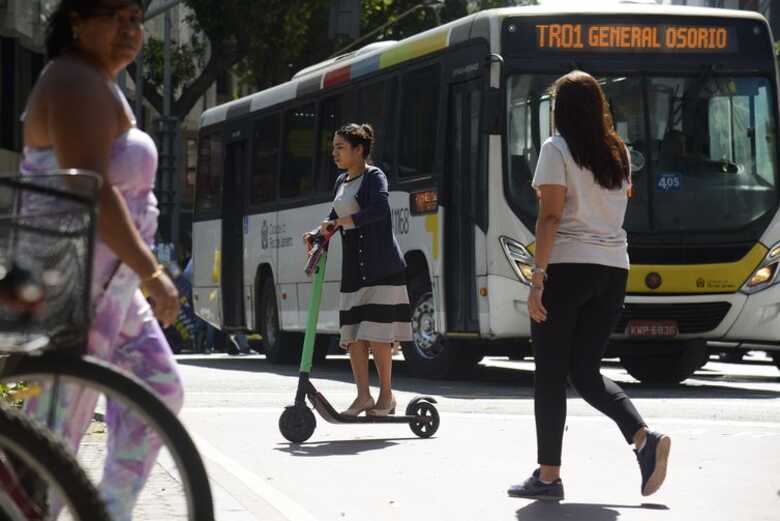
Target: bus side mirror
495, 111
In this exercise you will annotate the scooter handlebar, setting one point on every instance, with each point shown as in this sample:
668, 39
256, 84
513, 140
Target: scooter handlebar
320, 246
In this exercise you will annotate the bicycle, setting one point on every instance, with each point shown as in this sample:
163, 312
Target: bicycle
28, 446
50, 227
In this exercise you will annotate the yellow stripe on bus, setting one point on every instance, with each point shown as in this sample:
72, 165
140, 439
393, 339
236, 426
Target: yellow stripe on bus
414, 49
432, 226
692, 279
216, 269
726, 277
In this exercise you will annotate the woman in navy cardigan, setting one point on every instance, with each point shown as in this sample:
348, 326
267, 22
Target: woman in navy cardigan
374, 305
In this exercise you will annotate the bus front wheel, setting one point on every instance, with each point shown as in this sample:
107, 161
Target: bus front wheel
430, 354
670, 366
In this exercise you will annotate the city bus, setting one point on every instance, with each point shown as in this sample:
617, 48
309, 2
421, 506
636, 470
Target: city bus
460, 113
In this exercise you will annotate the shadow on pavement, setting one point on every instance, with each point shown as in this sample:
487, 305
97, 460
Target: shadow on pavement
552, 511
497, 383
320, 449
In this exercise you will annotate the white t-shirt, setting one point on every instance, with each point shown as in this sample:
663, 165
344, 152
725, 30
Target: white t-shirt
591, 227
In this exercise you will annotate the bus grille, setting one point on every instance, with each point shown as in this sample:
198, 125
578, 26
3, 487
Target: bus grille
687, 254
691, 318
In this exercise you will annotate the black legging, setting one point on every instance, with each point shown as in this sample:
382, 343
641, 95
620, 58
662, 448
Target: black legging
583, 302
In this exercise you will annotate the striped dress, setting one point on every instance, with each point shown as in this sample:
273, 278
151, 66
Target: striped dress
377, 311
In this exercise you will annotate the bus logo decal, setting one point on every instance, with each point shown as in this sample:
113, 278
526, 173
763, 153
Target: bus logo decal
653, 280
264, 235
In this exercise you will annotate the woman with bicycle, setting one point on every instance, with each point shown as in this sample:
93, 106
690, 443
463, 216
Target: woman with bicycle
77, 117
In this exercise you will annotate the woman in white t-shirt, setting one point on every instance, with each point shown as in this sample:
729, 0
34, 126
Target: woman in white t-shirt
583, 180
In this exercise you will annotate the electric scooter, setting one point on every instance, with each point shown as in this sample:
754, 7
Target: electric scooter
297, 422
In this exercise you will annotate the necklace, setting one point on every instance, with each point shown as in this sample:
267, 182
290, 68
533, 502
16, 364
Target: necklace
348, 179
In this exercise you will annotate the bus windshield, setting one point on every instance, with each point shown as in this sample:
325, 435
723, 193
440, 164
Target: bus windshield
703, 148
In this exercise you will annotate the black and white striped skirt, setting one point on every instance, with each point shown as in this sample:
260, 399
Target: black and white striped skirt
376, 312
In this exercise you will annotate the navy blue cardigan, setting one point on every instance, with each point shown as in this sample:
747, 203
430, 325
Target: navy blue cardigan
380, 254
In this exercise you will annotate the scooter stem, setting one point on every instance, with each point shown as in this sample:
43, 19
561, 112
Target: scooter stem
314, 310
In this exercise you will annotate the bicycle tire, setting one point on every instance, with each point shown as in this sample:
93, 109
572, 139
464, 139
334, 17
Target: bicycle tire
112, 382
40, 451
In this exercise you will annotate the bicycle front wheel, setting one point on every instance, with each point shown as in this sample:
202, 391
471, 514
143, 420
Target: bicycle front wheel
31, 456
180, 488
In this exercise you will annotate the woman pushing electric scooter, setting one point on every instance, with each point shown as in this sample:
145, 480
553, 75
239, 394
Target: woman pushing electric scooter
374, 305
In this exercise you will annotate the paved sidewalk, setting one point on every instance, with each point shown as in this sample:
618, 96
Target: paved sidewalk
162, 496
162, 499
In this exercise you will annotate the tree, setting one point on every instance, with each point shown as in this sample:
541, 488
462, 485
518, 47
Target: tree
262, 40
265, 46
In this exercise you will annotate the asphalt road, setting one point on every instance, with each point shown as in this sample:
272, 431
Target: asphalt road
724, 423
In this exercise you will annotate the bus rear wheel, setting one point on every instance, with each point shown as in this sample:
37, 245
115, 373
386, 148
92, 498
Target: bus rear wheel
430, 354
670, 366
278, 346
283, 347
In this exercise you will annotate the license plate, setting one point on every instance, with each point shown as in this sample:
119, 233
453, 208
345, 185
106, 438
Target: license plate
652, 328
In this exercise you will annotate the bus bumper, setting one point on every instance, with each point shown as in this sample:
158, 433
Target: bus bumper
750, 318
759, 318
508, 313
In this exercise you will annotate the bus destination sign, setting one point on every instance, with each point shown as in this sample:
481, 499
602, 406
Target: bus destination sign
632, 37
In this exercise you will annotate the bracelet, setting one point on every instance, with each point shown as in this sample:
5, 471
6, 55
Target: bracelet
158, 271
537, 269
537, 287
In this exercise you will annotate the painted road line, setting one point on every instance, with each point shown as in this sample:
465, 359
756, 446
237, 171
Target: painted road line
278, 500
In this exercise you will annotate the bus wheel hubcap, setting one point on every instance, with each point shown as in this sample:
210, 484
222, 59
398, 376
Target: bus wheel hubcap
426, 339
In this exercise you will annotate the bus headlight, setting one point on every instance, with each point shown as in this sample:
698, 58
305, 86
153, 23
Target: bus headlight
519, 258
766, 273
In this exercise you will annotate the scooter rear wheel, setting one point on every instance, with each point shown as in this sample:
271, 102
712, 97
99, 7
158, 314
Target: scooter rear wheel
427, 427
297, 423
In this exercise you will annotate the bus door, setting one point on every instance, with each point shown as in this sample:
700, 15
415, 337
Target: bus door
233, 226
461, 199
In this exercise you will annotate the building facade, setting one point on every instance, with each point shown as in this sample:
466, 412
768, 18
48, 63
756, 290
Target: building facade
22, 33
21, 60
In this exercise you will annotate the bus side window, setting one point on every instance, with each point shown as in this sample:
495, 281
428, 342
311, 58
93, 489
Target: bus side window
420, 102
297, 174
210, 169
334, 113
266, 160
374, 110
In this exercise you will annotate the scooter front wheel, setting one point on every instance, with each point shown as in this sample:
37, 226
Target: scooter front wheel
428, 418
297, 423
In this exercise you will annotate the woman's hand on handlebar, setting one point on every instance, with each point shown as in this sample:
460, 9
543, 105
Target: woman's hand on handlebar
327, 227
308, 241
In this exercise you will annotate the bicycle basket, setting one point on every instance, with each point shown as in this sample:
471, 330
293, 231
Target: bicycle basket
47, 232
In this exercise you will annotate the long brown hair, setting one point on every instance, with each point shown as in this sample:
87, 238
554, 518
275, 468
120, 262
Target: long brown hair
582, 117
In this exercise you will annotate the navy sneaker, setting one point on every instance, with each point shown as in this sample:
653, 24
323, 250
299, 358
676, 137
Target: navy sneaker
652, 459
534, 488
